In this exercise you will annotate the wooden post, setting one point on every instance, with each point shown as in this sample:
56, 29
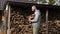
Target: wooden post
5, 17
47, 22
8, 23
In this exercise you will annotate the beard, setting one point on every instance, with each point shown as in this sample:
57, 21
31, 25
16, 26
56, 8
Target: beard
33, 12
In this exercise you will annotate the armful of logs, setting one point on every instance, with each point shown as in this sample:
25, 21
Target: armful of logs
31, 17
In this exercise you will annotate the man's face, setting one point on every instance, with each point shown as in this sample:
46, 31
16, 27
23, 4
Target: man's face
33, 8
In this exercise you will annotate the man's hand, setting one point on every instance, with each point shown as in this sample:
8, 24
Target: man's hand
27, 17
30, 18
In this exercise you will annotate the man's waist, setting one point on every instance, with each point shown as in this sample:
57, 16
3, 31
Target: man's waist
38, 21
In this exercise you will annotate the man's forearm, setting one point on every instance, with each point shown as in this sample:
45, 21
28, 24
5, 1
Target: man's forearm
35, 18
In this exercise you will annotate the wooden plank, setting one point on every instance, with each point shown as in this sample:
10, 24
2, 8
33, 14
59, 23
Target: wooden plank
26, 1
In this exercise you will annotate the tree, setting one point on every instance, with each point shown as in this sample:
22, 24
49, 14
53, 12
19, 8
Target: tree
51, 2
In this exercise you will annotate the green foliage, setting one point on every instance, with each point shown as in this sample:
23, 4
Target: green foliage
51, 2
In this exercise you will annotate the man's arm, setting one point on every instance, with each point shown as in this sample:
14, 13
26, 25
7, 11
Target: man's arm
35, 18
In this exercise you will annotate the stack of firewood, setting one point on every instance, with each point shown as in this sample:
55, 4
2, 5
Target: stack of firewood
54, 27
19, 25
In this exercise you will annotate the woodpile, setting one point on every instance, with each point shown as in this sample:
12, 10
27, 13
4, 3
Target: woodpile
20, 25
54, 27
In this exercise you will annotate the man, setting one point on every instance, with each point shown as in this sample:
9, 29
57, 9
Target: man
36, 20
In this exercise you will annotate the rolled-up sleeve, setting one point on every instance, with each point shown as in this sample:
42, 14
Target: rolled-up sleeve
36, 17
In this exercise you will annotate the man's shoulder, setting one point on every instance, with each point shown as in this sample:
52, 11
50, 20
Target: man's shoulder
38, 11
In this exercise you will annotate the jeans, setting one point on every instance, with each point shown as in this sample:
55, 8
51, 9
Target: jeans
36, 28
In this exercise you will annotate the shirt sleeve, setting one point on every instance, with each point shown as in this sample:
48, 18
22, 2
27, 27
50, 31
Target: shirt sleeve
37, 14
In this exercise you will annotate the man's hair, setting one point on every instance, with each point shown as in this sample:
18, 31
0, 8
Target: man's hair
34, 6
